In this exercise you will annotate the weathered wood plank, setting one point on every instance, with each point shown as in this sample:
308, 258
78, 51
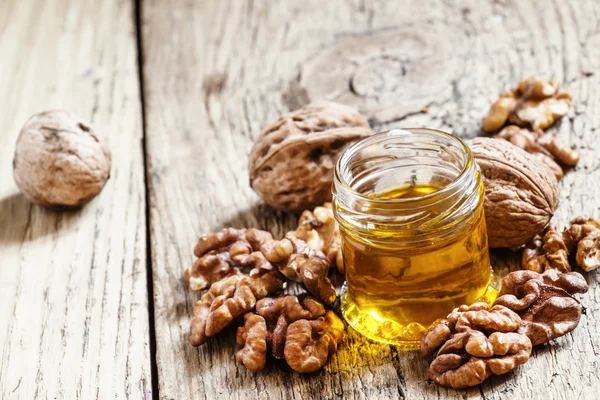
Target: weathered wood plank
73, 290
216, 73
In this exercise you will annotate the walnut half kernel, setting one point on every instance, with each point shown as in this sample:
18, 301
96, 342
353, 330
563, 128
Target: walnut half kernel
227, 253
578, 244
535, 102
545, 302
305, 334
543, 146
473, 343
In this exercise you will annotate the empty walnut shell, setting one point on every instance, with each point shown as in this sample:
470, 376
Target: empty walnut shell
291, 164
60, 160
521, 192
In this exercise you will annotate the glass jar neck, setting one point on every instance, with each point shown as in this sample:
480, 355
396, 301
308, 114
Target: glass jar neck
398, 159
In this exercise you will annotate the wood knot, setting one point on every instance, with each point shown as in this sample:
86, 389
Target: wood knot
387, 74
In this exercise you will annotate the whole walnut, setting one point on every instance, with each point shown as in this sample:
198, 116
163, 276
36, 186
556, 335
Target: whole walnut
521, 192
60, 160
291, 163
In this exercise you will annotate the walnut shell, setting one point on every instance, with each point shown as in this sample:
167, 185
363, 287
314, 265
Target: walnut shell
291, 163
60, 160
521, 192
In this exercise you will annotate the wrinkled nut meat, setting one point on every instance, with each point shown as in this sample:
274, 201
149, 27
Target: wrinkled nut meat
291, 163
557, 250
309, 344
60, 160
534, 102
320, 231
226, 253
521, 193
478, 315
275, 314
302, 333
252, 337
545, 302
547, 251
584, 239
473, 343
300, 263
543, 146
282, 311
468, 358
229, 299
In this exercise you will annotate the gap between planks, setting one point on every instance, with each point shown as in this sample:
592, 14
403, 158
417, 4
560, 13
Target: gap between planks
137, 16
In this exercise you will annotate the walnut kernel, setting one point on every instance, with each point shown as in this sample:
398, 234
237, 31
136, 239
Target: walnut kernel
300, 263
320, 231
556, 250
545, 302
301, 332
226, 253
473, 343
534, 102
229, 299
309, 344
541, 145
252, 336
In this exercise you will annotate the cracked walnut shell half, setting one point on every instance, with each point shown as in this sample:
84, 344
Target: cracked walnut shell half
291, 163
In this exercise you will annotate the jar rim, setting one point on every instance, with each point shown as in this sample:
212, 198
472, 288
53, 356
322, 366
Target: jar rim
395, 132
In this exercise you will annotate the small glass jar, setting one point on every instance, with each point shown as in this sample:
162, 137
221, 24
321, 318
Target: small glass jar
410, 208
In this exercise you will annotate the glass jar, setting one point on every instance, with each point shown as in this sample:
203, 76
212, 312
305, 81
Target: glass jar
410, 208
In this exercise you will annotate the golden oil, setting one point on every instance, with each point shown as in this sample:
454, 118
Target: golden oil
412, 251
395, 294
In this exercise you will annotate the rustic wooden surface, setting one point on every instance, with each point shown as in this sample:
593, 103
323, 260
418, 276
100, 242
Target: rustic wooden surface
73, 293
74, 303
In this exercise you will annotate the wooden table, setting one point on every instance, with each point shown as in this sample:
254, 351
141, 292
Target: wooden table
92, 303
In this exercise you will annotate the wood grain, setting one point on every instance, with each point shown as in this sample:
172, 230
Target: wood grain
216, 73
73, 290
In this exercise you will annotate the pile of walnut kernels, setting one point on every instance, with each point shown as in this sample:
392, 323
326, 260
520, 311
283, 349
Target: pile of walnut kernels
246, 270
244, 267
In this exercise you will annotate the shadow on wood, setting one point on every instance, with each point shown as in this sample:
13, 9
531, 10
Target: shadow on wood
23, 221
262, 216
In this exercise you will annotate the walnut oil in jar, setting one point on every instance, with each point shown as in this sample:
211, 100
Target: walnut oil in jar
410, 208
